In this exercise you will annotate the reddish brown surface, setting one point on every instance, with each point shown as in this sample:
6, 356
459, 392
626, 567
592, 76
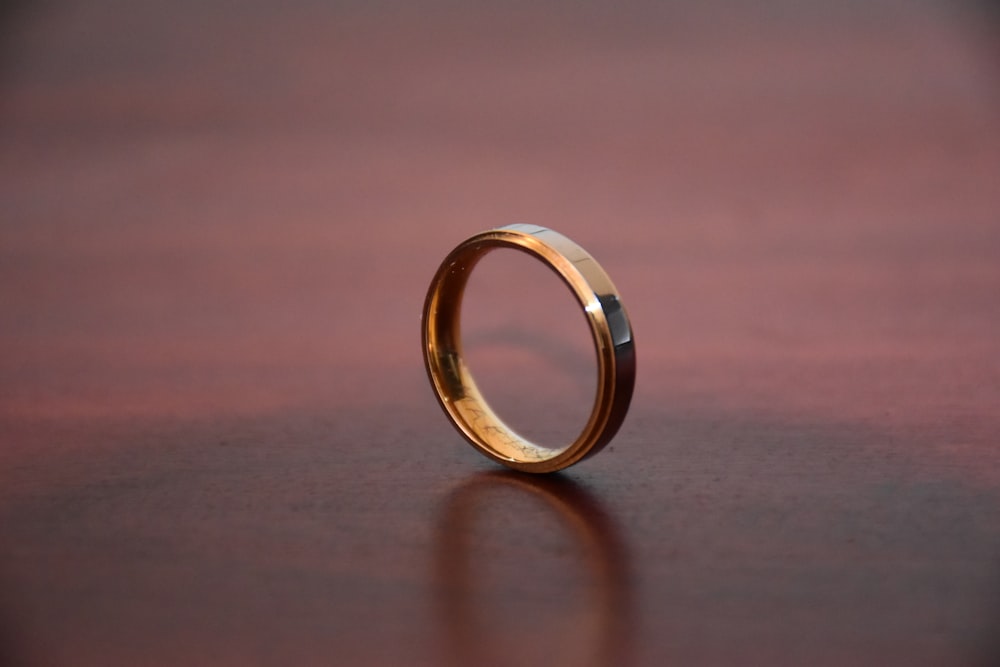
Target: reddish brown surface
218, 443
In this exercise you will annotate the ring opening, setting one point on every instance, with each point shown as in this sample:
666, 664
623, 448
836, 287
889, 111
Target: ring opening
527, 343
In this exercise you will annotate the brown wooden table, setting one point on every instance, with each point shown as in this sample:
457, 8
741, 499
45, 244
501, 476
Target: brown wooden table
217, 442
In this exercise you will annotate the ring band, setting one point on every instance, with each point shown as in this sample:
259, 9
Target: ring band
453, 382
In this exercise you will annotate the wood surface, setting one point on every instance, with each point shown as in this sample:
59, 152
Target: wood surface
217, 442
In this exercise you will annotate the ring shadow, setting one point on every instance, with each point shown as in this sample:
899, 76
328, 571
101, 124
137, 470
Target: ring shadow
553, 350
605, 553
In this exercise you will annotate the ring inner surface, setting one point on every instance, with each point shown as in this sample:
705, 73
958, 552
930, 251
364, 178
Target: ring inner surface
523, 334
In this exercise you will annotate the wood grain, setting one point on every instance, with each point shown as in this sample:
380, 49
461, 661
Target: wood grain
217, 224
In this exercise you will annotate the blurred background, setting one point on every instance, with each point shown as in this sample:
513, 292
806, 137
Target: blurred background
199, 186
217, 224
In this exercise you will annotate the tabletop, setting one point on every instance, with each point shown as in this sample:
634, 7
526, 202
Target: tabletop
218, 222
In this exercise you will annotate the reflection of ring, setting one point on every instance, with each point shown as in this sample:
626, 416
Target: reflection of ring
600, 630
453, 383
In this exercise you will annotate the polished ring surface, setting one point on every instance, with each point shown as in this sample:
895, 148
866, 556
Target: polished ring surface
454, 385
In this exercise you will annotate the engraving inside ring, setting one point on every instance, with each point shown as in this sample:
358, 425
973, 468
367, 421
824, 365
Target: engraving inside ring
526, 341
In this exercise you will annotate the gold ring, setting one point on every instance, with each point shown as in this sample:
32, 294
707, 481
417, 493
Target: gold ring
454, 385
